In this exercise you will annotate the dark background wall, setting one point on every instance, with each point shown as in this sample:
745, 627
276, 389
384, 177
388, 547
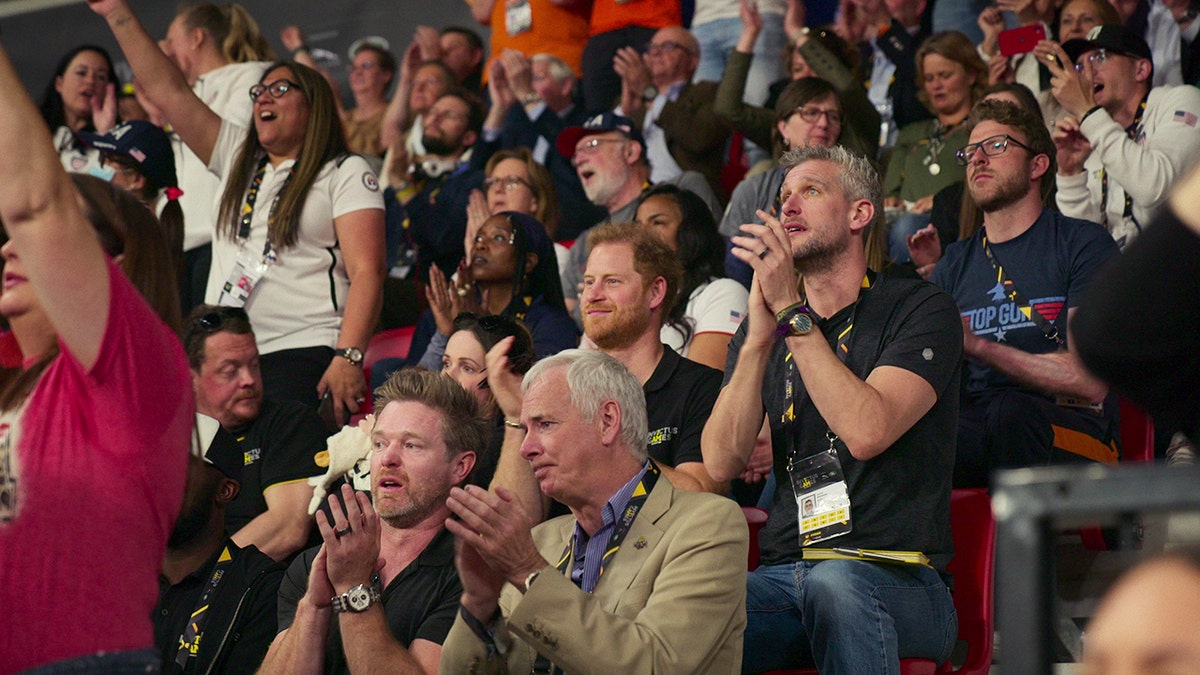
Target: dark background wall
36, 40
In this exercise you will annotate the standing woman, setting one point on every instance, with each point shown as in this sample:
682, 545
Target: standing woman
299, 239
81, 97
94, 423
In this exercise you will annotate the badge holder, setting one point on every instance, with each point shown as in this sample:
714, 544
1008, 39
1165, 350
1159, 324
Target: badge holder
822, 500
518, 17
244, 277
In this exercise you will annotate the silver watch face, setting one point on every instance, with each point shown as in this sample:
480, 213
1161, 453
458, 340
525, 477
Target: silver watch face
353, 354
359, 598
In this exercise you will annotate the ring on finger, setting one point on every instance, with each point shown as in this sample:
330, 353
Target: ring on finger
763, 253
462, 291
342, 532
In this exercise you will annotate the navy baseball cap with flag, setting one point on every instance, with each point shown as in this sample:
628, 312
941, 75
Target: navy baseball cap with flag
145, 144
604, 122
1112, 37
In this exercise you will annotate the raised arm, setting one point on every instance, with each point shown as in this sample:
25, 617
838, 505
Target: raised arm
160, 79
47, 231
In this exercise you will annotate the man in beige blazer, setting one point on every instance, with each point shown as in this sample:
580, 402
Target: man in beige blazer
641, 578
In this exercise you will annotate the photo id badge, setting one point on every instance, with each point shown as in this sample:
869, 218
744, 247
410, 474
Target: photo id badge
822, 500
246, 273
518, 17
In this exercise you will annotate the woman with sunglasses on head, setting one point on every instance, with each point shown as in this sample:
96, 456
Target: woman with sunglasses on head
465, 360
511, 271
95, 409
299, 238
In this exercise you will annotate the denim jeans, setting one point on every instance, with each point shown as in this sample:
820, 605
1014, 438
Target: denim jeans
902, 227
846, 616
140, 662
718, 38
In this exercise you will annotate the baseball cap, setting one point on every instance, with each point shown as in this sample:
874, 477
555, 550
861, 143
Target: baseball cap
1111, 37
598, 124
142, 142
217, 447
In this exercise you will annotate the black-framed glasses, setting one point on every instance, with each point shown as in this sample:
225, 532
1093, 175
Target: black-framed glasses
508, 183
811, 115
276, 89
991, 146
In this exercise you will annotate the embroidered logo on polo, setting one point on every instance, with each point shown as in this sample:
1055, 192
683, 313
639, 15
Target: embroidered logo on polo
663, 435
251, 456
997, 319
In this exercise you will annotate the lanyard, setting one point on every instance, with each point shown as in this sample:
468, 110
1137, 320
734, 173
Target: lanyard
189, 642
620, 529
252, 199
1014, 294
1132, 131
841, 348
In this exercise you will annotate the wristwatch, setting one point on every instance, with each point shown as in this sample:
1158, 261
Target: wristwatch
352, 354
357, 599
650, 93
793, 320
531, 98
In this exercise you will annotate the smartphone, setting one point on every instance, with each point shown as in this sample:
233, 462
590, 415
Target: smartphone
325, 411
1021, 40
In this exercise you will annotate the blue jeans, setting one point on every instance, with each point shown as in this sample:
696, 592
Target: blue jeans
846, 616
718, 38
140, 662
905, 225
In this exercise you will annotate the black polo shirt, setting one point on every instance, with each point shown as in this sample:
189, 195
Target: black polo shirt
679, 398
420, 603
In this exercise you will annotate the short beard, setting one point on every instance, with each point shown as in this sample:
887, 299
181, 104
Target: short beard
1006, 193
418, 508
440, 146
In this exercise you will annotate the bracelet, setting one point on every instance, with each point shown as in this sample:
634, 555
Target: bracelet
531, 98
512, 424
1089, 112
530, 579
781, 314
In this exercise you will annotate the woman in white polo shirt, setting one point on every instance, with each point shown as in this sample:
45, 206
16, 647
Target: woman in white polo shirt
299, 234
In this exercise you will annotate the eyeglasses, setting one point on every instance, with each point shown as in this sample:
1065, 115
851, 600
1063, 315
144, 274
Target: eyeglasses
507, 183
276, 89
1095, 58
811, 115
589, 146
654, 49
437, 115
992, 146
212, 322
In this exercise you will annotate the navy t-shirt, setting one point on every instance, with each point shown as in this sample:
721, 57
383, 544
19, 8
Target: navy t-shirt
1051, 264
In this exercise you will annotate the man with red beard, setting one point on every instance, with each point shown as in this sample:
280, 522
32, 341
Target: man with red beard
858, 375
1017, 282
282, 442
381, 593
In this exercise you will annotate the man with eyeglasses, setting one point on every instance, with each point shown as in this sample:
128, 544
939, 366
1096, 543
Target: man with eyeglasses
609, 155
1028, 400
1123, 142
282, 442
675, 115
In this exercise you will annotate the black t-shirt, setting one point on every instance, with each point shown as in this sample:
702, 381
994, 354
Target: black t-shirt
1052, 264
280, 446
900, 499
679, 398
241, 613
420, 603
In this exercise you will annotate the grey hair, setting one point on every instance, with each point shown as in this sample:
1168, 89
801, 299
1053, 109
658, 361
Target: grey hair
559, 69
594, 378
858, 179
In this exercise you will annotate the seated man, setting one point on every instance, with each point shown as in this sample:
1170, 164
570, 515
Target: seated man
1123, 143
216, 600
1017, 282
648, 578
339, 611
859, 381
282, 442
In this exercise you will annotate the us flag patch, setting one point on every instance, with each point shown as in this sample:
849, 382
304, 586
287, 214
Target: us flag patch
1185, 117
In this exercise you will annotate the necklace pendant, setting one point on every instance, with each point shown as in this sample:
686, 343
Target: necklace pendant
935, 168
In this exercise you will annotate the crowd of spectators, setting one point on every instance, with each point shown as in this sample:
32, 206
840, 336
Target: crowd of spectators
667, 257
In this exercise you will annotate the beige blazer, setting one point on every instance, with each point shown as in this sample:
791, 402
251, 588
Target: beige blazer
673, 599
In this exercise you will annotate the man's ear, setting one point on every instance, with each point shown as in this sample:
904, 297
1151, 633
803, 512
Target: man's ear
633, 152
1041, 164
861, 215
469, 138
1143, 70
658, 292
463, 464
609, 416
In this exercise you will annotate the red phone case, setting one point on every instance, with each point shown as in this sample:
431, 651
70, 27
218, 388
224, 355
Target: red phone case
1021, 40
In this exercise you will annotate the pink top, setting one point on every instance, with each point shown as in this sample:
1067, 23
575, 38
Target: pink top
98, 480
